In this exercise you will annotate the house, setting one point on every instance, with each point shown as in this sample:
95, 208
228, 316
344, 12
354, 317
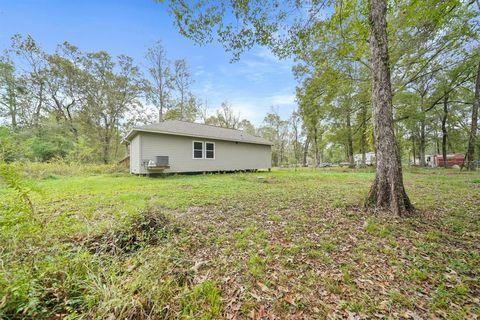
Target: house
178, 146
369, 159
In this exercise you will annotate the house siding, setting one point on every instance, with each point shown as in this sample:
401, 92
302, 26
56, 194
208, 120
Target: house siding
135, 155
229, 155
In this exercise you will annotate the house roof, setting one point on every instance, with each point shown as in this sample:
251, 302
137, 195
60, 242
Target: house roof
190, 129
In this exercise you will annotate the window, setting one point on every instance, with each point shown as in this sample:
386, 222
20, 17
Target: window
209, 150
197, 150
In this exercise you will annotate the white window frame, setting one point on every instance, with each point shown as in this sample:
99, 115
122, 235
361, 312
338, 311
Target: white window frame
193, 150
214, 150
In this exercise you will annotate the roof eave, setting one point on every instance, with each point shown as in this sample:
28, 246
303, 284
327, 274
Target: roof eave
133, 132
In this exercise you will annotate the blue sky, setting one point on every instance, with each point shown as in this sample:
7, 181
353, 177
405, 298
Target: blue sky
253, 85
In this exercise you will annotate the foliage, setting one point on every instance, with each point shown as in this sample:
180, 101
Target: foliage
10, 150
13, 180
160, 88
226, 117
76, 105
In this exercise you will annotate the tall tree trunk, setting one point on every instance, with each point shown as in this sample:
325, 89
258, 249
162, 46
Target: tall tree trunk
363, 136
387, 191
437, 143
422, 142
315, 132
106, 143
349, 140
413, 150
305, 151
39, 106
362, 149
444, 130
106, 148
474, 125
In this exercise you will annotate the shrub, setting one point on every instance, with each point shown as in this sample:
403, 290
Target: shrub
58, 167
9, 148
13, 180
148, 228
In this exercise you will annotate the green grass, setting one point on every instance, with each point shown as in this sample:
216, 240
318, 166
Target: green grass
106, 244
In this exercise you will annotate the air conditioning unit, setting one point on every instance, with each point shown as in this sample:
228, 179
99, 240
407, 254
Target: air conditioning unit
160, 162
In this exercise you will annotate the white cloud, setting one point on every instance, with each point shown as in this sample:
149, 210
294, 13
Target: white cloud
282, 99
252, 85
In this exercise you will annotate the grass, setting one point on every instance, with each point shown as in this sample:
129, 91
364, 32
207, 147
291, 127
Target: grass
294, 244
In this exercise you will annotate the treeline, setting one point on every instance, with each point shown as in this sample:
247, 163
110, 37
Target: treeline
434, 65
76, 106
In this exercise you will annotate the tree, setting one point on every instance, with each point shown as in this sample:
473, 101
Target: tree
225, 117
32, 59
296, 125
313, 108
276, 130
64, 80
182, 81
109, 94
387, 190
188, 111
159, 68
248, 127
61, 102
10, 90
474, 124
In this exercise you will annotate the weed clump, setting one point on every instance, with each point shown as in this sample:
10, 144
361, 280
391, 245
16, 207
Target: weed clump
10, 176
148, 228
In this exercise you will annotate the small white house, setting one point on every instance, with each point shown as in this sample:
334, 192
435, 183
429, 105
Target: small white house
369, 159
178, 146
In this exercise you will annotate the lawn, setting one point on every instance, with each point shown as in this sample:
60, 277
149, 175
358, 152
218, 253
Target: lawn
285, 244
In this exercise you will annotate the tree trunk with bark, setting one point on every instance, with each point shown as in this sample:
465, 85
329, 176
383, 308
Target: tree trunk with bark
305, 152
387, 191
444, 130
437, 142
349, 140
422, 143
363, 134
413, 150
474, 125
315, 141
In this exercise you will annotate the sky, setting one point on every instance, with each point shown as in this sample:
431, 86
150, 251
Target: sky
252, 85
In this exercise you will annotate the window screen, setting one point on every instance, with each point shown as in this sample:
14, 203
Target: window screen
209, 150
197, 150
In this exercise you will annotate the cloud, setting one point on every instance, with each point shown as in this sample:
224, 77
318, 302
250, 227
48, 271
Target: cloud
282, 99
258, 65
255, 108
199, 71
253, 85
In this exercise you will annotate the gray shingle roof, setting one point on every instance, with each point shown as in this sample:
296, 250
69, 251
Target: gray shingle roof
190, 129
